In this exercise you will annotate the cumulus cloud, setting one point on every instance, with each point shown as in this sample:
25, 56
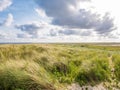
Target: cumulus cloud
23, 35
35, 29
31, 28
65, 13
9, 20
41, 12
3, 35
66, 32
4, 4
42, 29
106, 25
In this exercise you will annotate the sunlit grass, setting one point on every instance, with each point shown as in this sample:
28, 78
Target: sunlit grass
52, 66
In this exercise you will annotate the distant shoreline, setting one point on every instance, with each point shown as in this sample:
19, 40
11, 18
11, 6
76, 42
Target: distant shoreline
96, 43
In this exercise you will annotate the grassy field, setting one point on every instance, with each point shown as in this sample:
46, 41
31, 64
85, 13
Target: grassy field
55, 66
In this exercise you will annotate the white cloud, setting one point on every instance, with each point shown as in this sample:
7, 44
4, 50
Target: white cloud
71, 21
3, 35
43, 15
9, 20
4, 4
69, 14
41, 12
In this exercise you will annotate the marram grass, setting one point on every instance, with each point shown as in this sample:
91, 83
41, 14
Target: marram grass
54, 66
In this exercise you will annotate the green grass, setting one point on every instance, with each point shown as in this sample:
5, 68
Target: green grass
53, 66
116, 59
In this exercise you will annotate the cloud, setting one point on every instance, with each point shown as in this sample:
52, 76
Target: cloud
4, 4
42, 29
23, 35
31, 28
68, 32
68, 14
65, 32
106, 25
3, 35
9, 20
41, 12
35, 29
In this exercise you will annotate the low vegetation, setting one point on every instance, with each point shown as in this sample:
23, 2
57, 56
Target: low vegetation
54, 66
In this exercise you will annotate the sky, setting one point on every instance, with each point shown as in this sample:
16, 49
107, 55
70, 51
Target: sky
59, 21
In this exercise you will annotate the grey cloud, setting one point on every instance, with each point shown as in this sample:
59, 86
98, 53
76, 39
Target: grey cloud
86, 33
69, 32
21, 35
106, 25
35, 29
2, 36
53, 33
24, 36
83, 19
31, 29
